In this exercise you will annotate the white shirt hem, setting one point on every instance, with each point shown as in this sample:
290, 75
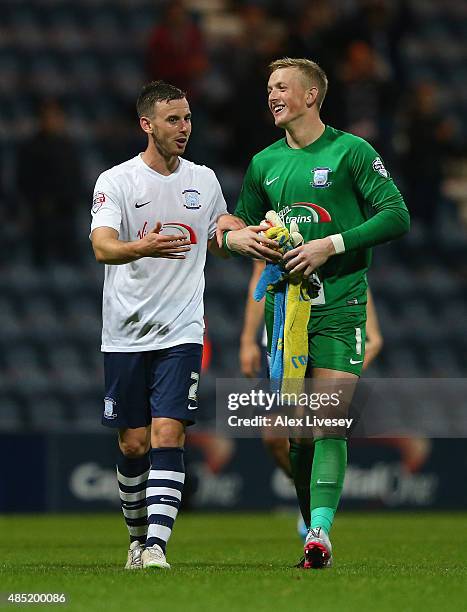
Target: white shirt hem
153, 347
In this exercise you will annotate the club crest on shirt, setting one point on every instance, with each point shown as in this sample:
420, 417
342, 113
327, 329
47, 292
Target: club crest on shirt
320, 177
378, 166
98, 200
191, 198
109, 408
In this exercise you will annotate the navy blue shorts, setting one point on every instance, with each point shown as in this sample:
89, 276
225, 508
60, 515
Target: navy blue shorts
140, 386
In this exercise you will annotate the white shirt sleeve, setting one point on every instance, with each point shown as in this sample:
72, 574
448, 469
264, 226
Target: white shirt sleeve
219, 207
106, 208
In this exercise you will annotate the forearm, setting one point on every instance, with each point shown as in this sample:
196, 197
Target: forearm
254, 311
116, 252
374, 338
254, 314
225, 246
386, 225
372, 349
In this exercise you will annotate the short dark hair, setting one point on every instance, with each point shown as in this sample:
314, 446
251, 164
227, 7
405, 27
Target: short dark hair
156, 91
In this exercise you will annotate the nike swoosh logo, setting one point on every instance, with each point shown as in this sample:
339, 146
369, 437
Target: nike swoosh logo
353, 362
325, 481
168, 500
192, 407
143, 204
270, 181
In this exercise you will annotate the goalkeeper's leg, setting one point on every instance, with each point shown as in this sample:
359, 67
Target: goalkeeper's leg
329, 465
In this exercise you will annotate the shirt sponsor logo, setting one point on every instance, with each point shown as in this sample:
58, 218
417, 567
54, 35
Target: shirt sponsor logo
109, 408
143, 231
173, 227
191, 199
321, 177
304, 212
185, 231
378, 166
98, 201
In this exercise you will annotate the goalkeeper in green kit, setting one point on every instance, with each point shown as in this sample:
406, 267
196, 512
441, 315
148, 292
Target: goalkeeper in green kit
335, 187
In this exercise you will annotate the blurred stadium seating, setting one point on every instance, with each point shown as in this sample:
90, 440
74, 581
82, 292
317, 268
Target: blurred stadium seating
91, 55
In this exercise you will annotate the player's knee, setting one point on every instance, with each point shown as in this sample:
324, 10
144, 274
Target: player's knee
133, 448
170, 433
169, 440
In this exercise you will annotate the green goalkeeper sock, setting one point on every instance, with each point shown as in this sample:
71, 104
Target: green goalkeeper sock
327, 479
322, 517
301, 460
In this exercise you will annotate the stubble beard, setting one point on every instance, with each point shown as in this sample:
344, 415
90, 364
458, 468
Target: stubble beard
163, 152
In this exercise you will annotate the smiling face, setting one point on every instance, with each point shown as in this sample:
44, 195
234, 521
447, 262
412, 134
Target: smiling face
289, 97
170, 126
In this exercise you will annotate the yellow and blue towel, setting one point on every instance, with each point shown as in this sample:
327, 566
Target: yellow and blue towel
292, 305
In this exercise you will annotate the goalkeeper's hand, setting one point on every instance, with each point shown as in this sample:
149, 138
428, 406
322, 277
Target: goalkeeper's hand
249, 242
227, 222
272, 220
309, 257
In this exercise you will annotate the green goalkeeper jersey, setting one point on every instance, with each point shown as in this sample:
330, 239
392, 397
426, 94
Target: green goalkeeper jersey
336, 185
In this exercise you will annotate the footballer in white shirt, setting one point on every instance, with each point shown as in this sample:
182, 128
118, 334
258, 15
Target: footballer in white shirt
153, 218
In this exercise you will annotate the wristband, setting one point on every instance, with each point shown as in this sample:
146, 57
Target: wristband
338, 243
225, 244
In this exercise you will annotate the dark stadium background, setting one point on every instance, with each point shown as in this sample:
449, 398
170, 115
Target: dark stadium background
398, 77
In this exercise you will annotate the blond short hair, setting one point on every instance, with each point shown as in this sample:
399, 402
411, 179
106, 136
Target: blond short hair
309, 69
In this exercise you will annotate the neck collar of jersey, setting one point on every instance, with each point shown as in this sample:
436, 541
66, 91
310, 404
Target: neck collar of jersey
312, 144
156, 174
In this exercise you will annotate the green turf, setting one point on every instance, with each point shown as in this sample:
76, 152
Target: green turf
400, 562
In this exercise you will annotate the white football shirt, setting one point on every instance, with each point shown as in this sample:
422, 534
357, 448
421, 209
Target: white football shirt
155, 303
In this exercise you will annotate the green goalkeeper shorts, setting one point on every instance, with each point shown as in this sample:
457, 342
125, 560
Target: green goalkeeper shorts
336, 339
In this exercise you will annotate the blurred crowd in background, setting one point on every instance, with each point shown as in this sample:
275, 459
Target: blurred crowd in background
70, 73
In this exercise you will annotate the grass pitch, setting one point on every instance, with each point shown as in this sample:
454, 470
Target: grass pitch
383, 562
